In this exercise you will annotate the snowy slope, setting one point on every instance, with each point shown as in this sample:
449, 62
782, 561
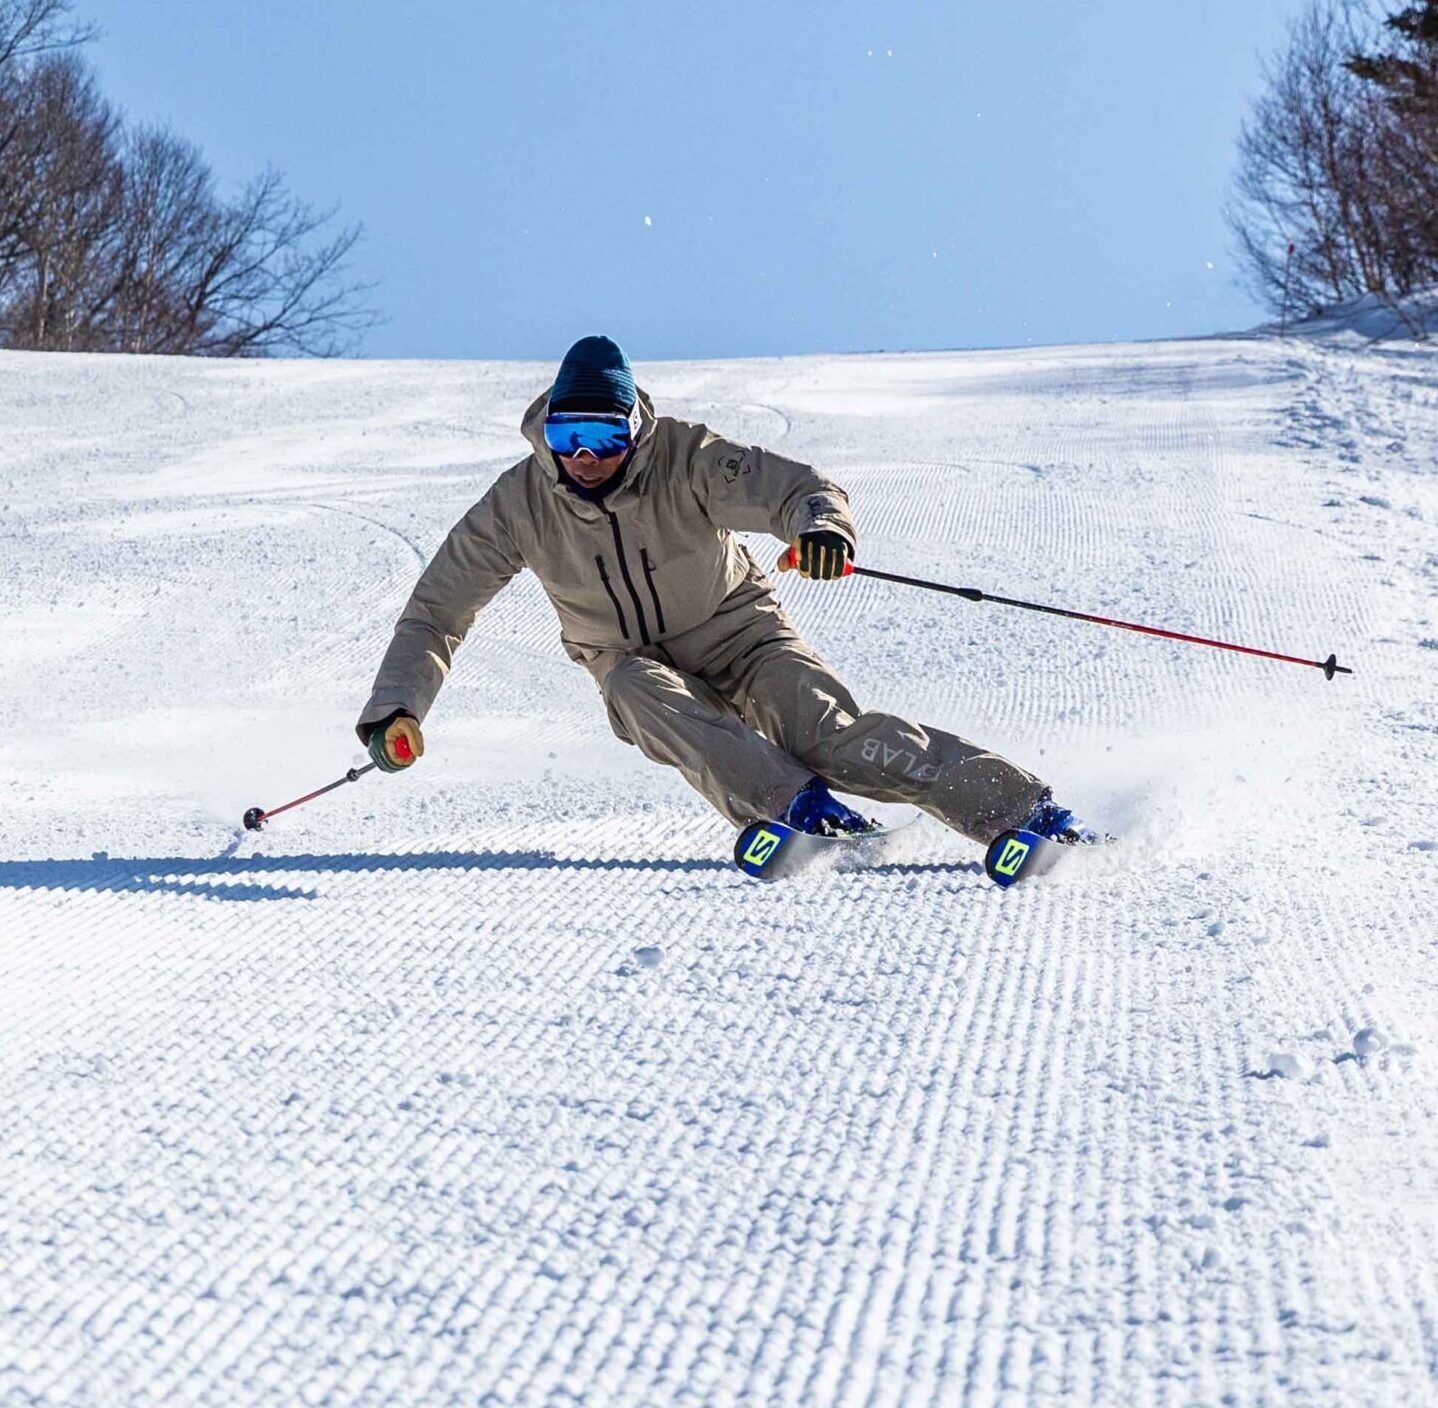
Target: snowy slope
494, 1084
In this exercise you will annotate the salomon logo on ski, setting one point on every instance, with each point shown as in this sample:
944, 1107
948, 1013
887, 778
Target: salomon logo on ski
759, 846
1018, 855
1013, 855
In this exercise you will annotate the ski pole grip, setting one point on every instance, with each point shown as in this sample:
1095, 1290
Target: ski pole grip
788, 561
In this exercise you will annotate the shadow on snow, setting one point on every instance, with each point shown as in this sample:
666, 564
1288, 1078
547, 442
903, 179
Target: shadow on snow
223, 877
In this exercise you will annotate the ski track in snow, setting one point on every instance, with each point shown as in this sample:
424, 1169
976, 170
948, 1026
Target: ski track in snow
495, 1084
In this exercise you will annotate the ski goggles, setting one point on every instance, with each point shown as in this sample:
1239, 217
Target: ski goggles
569, 432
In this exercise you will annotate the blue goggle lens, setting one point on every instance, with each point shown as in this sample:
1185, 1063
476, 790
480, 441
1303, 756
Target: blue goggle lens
567, 433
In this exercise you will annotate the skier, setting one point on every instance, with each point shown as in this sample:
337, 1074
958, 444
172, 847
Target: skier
628, 519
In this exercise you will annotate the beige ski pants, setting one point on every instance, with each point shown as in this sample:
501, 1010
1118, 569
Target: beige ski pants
748, 731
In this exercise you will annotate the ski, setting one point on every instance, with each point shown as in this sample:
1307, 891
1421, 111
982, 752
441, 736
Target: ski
1020, 855
770, 850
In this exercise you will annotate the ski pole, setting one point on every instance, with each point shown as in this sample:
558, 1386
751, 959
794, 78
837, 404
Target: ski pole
1330, 666
256, 817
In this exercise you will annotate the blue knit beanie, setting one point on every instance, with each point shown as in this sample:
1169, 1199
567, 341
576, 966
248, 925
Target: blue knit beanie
594, 376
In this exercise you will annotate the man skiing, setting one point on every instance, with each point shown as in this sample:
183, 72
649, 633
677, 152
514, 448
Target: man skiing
628, 519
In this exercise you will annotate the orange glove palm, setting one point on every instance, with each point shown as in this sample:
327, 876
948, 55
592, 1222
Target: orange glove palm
397, 744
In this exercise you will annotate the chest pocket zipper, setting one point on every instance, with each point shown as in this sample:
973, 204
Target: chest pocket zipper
613, 600
648, 567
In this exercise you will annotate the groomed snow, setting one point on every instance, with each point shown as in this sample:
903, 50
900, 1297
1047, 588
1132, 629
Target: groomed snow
494, 1084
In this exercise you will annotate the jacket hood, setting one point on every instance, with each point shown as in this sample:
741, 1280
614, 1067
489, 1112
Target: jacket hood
532, 427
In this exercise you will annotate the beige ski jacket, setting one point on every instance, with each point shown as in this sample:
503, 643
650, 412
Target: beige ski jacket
655, 560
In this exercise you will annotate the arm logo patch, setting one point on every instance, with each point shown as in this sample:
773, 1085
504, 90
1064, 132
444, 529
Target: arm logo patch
733, 465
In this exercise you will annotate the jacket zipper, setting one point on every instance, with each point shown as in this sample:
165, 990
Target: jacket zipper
614, 600
628, 580
648, 567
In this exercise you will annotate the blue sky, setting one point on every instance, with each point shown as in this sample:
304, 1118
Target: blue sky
733, 179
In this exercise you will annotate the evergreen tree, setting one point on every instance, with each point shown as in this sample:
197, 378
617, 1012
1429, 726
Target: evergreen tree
1409, 73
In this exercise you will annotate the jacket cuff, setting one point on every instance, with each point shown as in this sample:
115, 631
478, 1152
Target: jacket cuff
832, 523
378, 716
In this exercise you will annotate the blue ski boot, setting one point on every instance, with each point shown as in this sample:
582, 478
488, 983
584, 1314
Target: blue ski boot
1059, 824
818, 812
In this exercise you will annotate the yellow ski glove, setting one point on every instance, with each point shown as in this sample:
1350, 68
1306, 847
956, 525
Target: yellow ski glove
396, 744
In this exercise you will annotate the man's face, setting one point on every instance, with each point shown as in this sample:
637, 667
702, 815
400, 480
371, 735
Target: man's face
584, 468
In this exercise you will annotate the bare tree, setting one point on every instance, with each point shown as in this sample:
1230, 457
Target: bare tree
270, 282
15, 167
1298, 154
32, 27
240, 279
167, 215
64, 221
117, 240
1329, 164
28, 28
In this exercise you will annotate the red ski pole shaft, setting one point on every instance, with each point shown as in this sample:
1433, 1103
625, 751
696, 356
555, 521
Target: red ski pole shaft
257, 816
1330, 666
